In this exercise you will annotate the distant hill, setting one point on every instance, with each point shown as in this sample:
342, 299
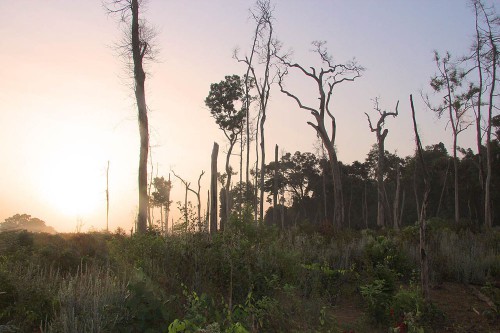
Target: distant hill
25, 222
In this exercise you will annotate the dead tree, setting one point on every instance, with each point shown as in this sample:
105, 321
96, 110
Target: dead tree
263, 46
137, 47
454, 107
397, 194
196, 193
186, 185
326, 79
488, 36
213, 189
107, 198
275, 187
424, 265
485, 61
381, 135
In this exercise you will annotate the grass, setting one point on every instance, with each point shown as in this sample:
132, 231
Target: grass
249, 278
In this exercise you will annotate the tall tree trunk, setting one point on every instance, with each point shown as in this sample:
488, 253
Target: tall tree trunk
207, 217
443, 189
350, 205
479, 131
424, 265
262, 166
213, 189
227, 203
338, 214
167, 204
275, 187
150, 205
256, 177
138, 52
240, 194
402, 209
396, 198
455, 167
186, 222
107, 198
324, 194
488, 218
380, 186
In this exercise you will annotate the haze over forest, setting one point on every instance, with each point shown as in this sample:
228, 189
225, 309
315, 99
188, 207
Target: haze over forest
68, 105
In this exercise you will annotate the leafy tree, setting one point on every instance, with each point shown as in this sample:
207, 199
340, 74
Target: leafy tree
221, 102
25, 222
161, 198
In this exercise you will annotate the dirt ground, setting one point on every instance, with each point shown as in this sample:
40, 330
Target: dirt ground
463, 310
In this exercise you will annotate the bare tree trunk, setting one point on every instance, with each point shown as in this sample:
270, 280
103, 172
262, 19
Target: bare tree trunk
107, 198
140, 49
167, 205
275, 187
213, 189
424, 270
150, 206
415, 191
443, 188
479, 131
350, 205
240, 194
396, 198
402, 209
262, 167
380, 187
324, 195
455, 167
381, 135
388, 216
256, 188
207, 217
199, 199
488, 216
365, 207
229, 172
138, 52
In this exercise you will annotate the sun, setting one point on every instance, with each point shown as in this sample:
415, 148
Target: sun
74, 180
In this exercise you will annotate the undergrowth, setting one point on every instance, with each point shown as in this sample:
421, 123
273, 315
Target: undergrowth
247, 279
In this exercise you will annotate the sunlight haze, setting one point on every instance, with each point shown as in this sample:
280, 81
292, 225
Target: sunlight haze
67, 104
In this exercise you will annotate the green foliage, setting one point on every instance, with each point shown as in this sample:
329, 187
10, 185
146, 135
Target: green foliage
220, 101
25, 222
250, 277
384, 254
145, 305
378, 296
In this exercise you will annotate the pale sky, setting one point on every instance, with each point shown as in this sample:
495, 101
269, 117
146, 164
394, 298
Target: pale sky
67, 107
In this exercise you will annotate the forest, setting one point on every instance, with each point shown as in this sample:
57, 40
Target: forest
285, 241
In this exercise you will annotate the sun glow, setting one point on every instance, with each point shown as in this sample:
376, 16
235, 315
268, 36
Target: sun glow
73, 180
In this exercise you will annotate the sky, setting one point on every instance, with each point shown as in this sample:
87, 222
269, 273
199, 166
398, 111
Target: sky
67, 105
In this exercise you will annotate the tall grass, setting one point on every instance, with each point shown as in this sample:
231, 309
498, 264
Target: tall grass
89, 301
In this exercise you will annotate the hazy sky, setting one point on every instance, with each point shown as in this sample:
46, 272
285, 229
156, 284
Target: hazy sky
67, 106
